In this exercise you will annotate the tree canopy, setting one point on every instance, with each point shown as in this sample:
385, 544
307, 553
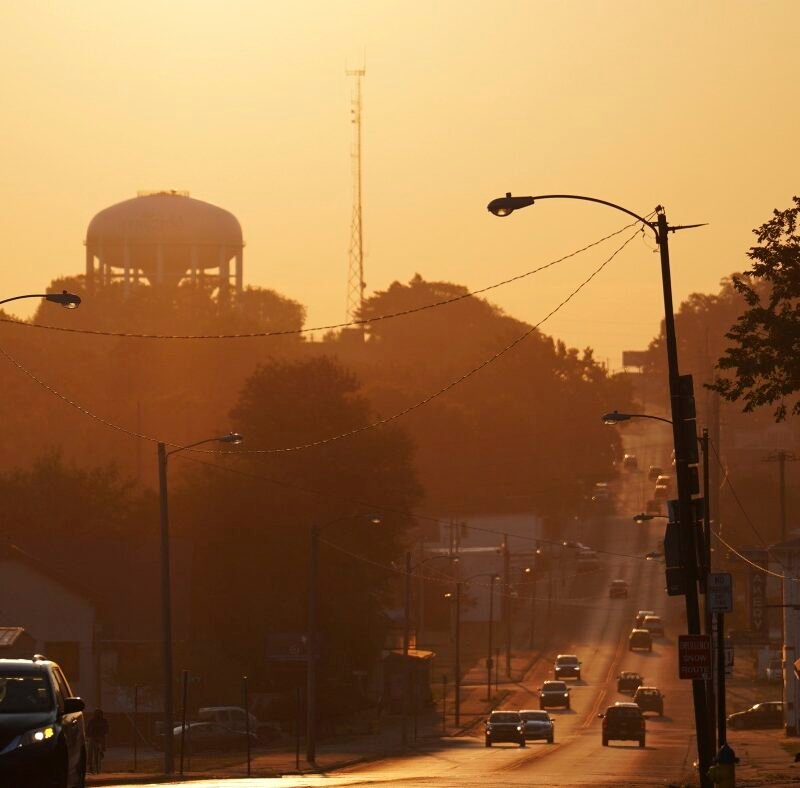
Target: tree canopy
765, 355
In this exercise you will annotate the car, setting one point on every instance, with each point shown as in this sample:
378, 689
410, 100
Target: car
640, 616
664, 479
623, 722
763, 715
567, 665
41, 726
649, 699
629, 681
505, 726
233, 717
618, 589
653, 472
660, 492
630, 462
209, 737
538, 725
653, 507
554, 693
640, 640
774, 671
654, 625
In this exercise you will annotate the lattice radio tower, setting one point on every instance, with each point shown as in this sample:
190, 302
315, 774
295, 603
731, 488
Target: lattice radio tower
355, 271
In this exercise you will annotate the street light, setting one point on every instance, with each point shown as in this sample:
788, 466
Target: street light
311, 635
615, 417
166, 587
410, 569
679, 396
67, 300
492, 579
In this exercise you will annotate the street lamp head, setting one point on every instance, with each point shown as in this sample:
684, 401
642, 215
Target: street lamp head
374, 519
67, 300
642, 517
233, 437
615, 417
504, 206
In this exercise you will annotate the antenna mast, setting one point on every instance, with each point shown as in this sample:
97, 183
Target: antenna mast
355, 272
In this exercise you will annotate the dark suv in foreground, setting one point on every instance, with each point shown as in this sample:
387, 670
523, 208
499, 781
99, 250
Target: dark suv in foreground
505, 726
42, 742
623, 721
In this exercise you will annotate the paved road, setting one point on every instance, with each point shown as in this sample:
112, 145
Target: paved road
595, 627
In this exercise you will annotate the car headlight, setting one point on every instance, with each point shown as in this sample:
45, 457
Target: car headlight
37, 736
566, 694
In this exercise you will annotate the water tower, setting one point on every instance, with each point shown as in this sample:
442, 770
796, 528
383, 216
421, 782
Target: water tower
164, 238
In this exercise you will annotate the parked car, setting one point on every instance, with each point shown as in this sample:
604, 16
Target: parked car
538, 725
664, 479
554, 693
618, 589
774, 670
629, 681
232, 717
208, 736
649, 699
505, 726
567, 665
623, 722
762, 715
42, 740
654, 472
640, 640
654, 625
630, 462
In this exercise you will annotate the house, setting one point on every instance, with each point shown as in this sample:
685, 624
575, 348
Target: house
48, 612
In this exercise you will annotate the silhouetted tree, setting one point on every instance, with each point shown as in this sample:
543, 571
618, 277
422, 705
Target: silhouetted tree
250, 526
765, 356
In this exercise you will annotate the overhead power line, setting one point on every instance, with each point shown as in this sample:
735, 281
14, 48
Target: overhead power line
340, 436
332, 326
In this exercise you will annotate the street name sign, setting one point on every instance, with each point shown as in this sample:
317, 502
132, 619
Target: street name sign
720, 592
728, 659
694, 657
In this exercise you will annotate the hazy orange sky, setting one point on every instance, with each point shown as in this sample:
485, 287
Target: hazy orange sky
245, 104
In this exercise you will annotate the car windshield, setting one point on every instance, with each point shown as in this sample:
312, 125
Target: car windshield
646, 693
623, 711
538, 716
568, 659
504, 716
554, 686
23, 693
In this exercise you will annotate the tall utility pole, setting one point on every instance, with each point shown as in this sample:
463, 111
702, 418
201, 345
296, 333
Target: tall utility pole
782, 457
355, 271
787, 621
507, 601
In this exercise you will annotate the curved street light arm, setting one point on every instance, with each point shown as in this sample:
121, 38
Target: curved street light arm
615, 417
652, 225
65, 299
452, 558
233, 437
